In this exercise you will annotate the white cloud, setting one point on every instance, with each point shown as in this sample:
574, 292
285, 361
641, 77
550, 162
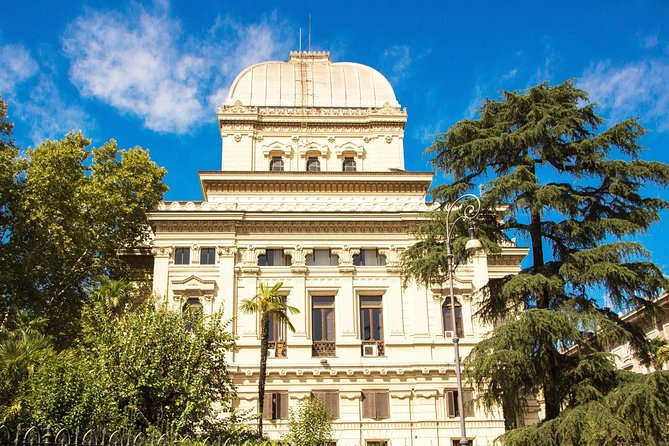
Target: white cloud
47, 113
18, 66
143, 64
397, 59
636, 89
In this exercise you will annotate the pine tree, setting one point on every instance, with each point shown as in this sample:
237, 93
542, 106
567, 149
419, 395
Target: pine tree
574, 190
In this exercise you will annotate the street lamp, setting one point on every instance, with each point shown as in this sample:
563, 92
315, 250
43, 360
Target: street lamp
469, 212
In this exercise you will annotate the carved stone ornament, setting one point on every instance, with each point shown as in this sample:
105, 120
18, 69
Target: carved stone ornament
250, 255
238, 137
367, 139
349, 148
277, 148
331, 139
299, 255
163, 251
295, 138
392, 258
259, 138
237, 107
193, 286
389, 139
346, 256
226, 251
313, 147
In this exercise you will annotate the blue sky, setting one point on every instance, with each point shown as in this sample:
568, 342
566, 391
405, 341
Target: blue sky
151, 74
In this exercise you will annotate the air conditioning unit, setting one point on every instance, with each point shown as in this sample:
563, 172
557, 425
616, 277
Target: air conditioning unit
271, 353
370, 350
448, 334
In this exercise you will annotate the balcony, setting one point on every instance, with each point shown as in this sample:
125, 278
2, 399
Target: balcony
323, 348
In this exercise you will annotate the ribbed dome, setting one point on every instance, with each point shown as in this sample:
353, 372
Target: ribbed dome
310, 79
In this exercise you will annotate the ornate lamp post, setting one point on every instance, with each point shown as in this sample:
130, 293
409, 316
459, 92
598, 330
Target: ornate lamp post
469, 212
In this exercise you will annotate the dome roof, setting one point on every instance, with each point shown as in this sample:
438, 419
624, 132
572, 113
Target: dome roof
310, 79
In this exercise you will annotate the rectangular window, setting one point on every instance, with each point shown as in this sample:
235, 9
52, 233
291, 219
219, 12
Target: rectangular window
330, 400
275, 406
376, 443
273, 257
322, 257
371, 318
375, 404
323, 326
182, 256
207, 256
452, 405
369, 257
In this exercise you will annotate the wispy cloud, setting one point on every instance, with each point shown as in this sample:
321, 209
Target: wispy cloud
48, 114
34, 98
18, 65
636, 89
143, 65
397, 61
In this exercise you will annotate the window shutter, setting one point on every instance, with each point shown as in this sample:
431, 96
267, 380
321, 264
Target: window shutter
468, 402
368, 404
267, 407
382, 405
450, 403
333, 404
283, 412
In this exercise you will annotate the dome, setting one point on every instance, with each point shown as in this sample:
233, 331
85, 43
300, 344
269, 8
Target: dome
310, 79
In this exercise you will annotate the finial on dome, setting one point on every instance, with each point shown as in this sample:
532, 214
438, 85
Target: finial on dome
296, 56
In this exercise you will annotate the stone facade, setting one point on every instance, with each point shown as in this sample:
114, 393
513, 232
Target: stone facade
313, 194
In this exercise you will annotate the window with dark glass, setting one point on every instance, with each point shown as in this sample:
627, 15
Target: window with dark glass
273, 257
323, 318
322, 257
349, 164
182, 256
276, 331
452, 403
276, 164
193, 310
375, 404
323, 326
275, 406
446, 316
207, 256
371, 318
313, 164
369, 257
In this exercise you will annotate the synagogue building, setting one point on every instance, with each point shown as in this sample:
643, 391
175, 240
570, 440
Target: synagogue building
313, 193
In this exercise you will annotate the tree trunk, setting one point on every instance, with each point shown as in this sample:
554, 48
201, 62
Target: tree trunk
264, 342
551, 399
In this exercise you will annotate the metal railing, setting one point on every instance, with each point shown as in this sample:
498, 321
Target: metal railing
34, 436
323, 348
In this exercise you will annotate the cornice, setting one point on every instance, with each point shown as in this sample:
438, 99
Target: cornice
295, 182
274, 226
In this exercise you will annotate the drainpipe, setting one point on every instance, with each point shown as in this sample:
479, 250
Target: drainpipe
411, 416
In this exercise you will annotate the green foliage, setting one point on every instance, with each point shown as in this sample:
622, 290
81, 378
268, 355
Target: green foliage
145, 369
23, 349
310, 424
575, 193
65, 212
633, 412
269, 304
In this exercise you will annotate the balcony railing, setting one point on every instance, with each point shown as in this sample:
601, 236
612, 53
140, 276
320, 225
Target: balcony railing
279, 348
379, 346
323, 348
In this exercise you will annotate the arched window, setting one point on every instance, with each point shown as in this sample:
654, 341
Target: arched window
446, 316
349, 164
276, 164
313, 164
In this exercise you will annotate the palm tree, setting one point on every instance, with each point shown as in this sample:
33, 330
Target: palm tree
269, 304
